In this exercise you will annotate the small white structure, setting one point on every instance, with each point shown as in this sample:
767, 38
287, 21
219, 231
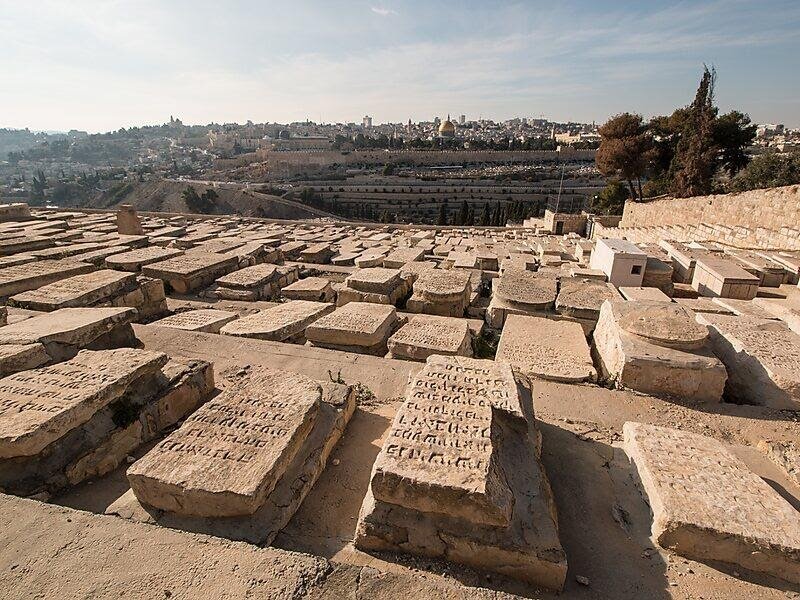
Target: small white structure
621, 261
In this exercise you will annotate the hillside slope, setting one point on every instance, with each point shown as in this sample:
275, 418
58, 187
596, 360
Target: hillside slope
165, 196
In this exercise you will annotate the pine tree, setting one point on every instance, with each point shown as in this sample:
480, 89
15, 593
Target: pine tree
486, 217
442, 219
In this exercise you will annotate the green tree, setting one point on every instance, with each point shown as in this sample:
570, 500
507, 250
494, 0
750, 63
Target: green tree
442, 218
388, 169
768, 170
611, 200
486, 215
625, 149
695, 155
463, 213
733, 133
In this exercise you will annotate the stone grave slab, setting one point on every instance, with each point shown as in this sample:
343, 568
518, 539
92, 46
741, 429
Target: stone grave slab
397, 258
15, 245
425, 335
376, 285
440, 292
521, 292
134, 260
721, 277
204, 320
21, 357
643, 293
39, 406
459, 476
285, 322
65, 331
227, 457
192, 270
357, 326
140, 411
319, 253
29, 276
654, 350
77, 291
331, 415
317, 289
777, 310
708, 506
762, 357
543, 348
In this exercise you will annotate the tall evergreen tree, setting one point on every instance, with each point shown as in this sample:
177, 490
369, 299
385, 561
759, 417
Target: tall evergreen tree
696, 153
486, 216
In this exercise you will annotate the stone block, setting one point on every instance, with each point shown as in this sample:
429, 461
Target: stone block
708, 506
425, 335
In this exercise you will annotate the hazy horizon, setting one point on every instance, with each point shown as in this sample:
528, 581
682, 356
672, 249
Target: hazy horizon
99, 66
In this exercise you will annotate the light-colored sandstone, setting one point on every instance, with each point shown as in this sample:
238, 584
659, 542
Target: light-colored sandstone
707, 505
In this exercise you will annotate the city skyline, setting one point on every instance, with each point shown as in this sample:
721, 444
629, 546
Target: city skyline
101, 66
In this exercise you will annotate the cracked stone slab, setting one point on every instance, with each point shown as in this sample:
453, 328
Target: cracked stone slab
336, 407
39, 406
707, 505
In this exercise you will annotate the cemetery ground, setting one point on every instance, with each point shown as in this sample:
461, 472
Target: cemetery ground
184, 429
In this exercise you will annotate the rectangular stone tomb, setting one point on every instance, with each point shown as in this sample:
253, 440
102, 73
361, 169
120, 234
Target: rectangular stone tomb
242, 464
65, 331
521, 292
192, 271
425, 335
721, 277
204, 320
62, 424
259, 282
542, 348
374, 284
440, 292
227, 457
708, 506
134, 260
317, 289
459, 476
657, 348
282, 323
355, 327
23, 277
100, 287
762, 357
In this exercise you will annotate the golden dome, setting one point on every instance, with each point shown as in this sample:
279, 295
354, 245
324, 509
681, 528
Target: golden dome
447, 128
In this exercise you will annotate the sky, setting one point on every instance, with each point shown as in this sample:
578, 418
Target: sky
101, 65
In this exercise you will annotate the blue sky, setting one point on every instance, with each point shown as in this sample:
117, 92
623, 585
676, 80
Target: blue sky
100, 65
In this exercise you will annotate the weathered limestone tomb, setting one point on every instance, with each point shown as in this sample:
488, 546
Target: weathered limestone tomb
242, 464
105, 287
657, 348
376, 285
459, 476
521, 293
282, 323
440, 292
66, 422
707, 505
546, 349
762, 357
425, 335
355, 327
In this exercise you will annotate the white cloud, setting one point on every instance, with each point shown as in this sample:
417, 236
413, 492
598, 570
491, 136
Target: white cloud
382, 11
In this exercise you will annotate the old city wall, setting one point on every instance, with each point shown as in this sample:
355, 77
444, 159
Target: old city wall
770, 209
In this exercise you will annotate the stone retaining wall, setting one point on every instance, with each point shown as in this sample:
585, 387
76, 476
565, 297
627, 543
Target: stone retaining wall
770, 209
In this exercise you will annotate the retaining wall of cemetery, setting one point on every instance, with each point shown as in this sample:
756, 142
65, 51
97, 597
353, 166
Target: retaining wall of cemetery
773, 208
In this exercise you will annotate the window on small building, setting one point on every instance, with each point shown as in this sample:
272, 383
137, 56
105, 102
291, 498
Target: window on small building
636, 270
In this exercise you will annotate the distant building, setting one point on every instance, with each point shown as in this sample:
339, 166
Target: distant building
366, 122
462, 119
447, 129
